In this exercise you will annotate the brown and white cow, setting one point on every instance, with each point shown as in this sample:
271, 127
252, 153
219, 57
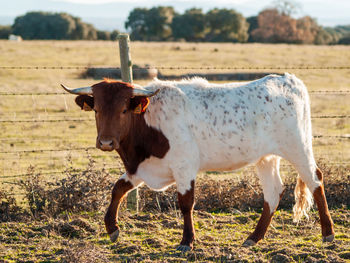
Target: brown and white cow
168, 131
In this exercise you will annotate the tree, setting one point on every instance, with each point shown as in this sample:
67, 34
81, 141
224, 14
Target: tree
159, 22
344, 40
137, 23
287, 7
114, 35
277, 27
103, 35
226, 25
307, 30
323, 37
45, 25
5, 31
253, 24
189, 26
150, 24
83, 30
274, 27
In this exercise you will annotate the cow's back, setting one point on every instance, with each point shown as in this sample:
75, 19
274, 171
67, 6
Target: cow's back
231, 124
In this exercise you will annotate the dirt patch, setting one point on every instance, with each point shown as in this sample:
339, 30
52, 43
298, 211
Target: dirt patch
84, 252
77, 228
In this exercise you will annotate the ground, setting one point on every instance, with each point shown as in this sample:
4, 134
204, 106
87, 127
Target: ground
153, 237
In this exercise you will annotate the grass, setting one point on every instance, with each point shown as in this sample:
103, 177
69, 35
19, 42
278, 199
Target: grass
153, 237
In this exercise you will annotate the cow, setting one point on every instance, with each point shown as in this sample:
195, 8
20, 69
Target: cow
168, 131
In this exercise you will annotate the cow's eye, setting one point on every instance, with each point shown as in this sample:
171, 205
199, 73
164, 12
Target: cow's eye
124, 111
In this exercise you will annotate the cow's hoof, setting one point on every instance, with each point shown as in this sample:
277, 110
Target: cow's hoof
249, 243
114, 236
184, 248
328, 238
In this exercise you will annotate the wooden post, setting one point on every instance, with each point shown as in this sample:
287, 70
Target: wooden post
125, 58
126, 72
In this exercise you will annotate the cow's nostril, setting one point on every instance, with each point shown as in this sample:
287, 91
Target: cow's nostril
106, 144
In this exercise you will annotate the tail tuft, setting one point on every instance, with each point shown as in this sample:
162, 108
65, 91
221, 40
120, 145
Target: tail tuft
303, 200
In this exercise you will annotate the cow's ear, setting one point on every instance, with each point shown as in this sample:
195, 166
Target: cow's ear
85, 102
139, 104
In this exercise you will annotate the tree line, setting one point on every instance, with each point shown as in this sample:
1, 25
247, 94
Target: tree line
272, 25
163, 23
57, 26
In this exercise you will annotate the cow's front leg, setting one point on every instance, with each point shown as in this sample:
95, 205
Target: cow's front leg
186, 203
120, 189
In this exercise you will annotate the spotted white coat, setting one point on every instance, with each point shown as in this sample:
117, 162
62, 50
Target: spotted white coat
228, 126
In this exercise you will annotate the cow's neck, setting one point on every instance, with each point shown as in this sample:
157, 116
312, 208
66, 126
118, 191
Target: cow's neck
141, 143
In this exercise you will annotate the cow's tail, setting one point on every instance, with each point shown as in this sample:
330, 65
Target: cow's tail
303, 200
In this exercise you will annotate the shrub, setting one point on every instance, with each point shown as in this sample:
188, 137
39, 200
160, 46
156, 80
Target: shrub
345, 40
78, 191
9, 210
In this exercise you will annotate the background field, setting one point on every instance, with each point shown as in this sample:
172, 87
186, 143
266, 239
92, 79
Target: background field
18, 139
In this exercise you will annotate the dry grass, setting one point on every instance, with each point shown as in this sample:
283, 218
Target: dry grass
67, 135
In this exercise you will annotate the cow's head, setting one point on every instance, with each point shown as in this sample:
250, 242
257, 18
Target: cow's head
115, 104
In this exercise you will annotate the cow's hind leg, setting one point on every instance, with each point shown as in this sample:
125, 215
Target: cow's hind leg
268, 172
325, 217
120, 189
311, 176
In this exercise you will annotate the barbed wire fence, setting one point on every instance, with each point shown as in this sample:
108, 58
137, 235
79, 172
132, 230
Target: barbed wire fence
14, 120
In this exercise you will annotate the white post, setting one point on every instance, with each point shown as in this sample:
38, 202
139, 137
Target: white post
126, 72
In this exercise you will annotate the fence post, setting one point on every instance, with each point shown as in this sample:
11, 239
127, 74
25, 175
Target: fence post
126, 72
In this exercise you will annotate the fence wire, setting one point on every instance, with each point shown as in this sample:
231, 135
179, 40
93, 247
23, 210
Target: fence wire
347, 137
121, 170
48, 150
91, 119
298, 67
330, 92
221, 68
56, 120
74, 170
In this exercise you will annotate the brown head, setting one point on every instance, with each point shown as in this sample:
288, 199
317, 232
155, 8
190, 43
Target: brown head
115, 104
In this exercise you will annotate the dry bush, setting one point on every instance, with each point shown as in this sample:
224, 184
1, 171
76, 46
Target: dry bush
9, 210
35, 192
337, 183
210, 195
226, 195
89, 190
78, 191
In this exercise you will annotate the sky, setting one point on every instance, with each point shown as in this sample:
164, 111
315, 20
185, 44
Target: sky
111, 14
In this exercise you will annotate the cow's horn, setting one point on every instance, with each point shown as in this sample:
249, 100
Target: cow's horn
142, 92
78, 91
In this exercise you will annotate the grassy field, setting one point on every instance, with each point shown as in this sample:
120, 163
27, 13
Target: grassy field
148, 237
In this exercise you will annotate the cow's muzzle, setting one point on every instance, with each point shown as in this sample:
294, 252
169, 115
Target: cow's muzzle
105, 144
